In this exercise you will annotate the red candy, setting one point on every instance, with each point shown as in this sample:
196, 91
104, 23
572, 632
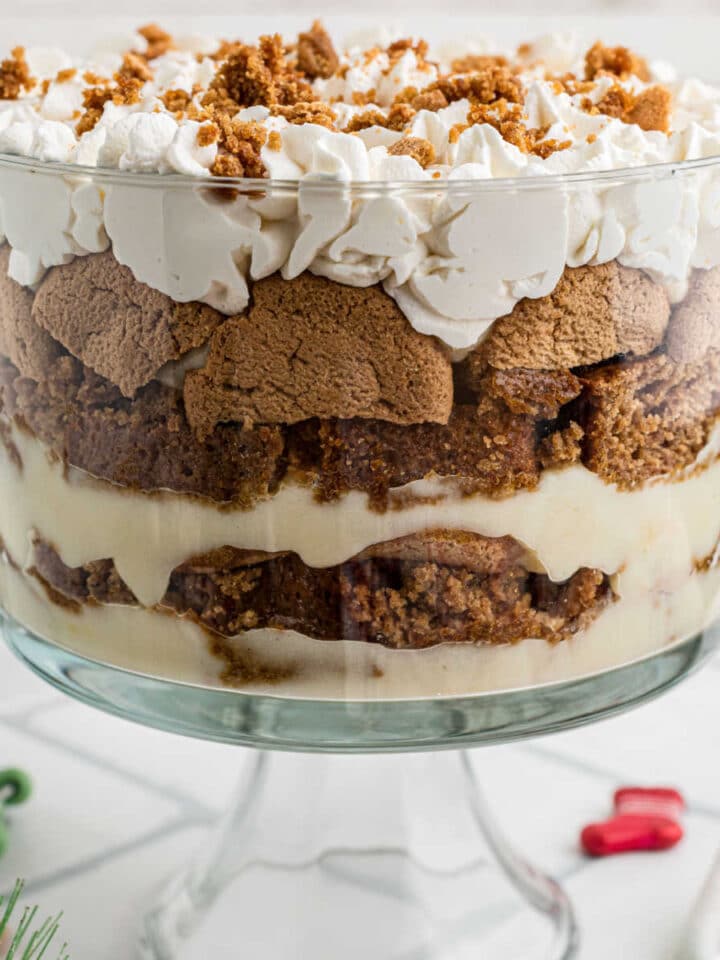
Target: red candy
645, 819
649, 801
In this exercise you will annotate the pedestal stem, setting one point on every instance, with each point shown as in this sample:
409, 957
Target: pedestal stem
381, 856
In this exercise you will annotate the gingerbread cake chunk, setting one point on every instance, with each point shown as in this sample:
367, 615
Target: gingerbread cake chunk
145, 443
30, 348
485, 447
310, 347
649, 417
695, 325
594, 313
121, 328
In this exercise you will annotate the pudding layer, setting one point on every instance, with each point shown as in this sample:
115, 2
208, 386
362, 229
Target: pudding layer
285, 663
599, 584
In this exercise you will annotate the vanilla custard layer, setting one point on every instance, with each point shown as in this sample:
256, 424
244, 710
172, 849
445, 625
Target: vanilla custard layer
158, 644
648, 539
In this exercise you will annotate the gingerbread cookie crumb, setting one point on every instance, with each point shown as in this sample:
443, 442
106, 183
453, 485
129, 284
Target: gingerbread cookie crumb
240, 144
618, 61
316, 53
176, 101
159, 42
416, 147
135, 67
315, 112
15, 75
650, 109
208, 134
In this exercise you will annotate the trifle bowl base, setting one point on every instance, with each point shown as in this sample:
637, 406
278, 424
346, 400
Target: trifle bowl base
392, 854
383, 856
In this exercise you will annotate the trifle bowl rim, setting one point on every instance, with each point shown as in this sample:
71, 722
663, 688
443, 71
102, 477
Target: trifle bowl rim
456, 187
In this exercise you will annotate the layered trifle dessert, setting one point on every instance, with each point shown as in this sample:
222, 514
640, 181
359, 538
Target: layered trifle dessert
358, 370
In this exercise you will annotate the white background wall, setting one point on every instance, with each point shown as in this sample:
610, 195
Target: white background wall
691, 40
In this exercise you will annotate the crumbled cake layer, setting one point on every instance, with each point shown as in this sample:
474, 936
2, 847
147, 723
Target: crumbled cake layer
146, 443
330, 385
649, 417
439, 587
489, 451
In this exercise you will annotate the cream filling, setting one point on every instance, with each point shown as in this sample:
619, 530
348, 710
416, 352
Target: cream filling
173, 648
648, 539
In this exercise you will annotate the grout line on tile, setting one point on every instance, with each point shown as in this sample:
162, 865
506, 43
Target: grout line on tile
40, 708
606, 773
189, 804
20, 715
111, 854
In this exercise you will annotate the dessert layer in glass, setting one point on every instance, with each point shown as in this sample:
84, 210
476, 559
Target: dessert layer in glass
350, 437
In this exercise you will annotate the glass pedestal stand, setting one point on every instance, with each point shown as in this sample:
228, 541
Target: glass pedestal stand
324, 855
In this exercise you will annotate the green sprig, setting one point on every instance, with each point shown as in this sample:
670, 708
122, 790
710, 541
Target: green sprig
29, 944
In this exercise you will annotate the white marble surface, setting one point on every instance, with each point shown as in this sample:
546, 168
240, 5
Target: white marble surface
117, 808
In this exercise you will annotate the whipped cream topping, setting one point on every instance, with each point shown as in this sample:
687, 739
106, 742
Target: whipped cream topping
453, 254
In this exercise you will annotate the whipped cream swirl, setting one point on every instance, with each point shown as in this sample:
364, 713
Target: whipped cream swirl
455, 254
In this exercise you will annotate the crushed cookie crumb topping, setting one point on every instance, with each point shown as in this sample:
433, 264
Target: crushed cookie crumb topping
649, 109
159, 42
135, 67
240, 143
316, 56
176, 101
416, 147
257, 76
208, 134
15, 75
391, 87
617, 61
65, 76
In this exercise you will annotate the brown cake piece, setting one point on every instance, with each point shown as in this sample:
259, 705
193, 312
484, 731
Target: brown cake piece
117, 326
451, 548
398, 596
146, 443
536, 393
695, 325
30, 348
490, 448
96, 582
594, 313
649, 417
398, 601
310, 347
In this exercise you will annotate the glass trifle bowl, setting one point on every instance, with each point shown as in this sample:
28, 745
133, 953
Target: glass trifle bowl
299, 491
354, 402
